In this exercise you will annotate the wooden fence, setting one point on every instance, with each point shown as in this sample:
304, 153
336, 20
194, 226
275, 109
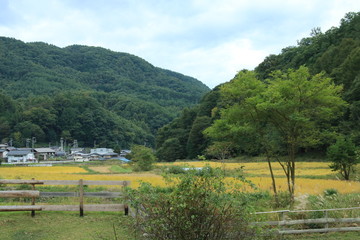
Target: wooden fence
81, 194
286, 221
325, 220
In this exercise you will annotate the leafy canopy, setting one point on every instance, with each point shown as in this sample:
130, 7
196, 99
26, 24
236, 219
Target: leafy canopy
344, 156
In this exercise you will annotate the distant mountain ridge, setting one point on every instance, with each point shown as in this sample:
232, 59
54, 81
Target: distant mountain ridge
144, 96
91, 68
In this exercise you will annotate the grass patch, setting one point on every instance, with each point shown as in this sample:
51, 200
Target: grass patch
64, 225
119, 169
89, 170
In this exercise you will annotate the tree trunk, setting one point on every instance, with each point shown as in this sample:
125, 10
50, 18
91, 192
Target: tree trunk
273, 181
292, 171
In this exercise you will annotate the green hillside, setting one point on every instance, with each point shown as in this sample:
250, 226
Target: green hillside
336, 53
90, 94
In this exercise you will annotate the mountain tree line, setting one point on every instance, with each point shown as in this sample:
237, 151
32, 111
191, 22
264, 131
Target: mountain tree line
90, 94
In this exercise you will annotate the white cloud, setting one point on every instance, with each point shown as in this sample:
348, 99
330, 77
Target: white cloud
225, 61
209, 40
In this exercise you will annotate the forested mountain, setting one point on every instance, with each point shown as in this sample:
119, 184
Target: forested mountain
90, 94
335, 52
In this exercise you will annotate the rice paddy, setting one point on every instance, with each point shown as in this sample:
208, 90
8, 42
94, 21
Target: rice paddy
312, 177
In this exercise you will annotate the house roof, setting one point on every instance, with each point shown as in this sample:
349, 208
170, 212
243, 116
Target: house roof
24, 149
44, 150
76, 149
18, 152
122, 159
106, 154
60, 153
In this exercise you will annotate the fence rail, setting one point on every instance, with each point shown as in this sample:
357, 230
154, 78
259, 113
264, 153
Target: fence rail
64, 182
81, 194
325, 220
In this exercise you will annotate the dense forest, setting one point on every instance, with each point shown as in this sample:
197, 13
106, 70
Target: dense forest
89, 94
333, 55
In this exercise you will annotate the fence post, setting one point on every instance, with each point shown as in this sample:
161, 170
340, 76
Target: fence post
283, 218
81, 195
126, 207
33, 198
326, 217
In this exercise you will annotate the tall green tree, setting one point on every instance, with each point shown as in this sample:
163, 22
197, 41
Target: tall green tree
292, 108
298, 105
197, 143
171, 150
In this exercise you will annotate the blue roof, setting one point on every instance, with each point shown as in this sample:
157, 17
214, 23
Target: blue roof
122, 159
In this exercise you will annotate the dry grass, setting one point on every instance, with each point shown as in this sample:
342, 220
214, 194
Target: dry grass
258, 172
101, 169
261, 168
308, 186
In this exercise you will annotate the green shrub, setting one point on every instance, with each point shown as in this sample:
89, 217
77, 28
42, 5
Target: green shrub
175, 170
330, 192
142, 158
284, 200
195, 205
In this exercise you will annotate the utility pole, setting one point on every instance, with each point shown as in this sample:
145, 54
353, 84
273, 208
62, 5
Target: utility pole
61, 144
75, 144
33, 141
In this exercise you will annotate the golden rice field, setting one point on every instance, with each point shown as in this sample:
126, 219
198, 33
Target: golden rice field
258, 172
261, 168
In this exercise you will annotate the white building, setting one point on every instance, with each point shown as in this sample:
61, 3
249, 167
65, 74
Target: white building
76, 150
20, 156
103, 152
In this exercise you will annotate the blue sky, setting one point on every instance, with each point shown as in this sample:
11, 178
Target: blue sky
210, 40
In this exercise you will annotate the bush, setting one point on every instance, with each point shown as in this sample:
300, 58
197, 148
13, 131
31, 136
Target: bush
142, 158
195, 205
284, 200
330, 192
175, 170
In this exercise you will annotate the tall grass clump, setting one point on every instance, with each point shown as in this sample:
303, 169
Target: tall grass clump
198, 204
331, 199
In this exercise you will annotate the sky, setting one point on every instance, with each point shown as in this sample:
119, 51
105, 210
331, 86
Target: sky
210, 40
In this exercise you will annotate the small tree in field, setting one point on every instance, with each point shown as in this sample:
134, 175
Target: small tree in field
220, 150
142, 158
343, 157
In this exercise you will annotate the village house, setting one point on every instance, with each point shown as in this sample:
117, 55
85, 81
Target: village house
43, 153
76, 150
79, 156
20, 156
102, 153
3, 153
3, 150
3, 145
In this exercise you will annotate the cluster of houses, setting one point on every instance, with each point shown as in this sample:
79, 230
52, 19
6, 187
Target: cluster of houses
32, 155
